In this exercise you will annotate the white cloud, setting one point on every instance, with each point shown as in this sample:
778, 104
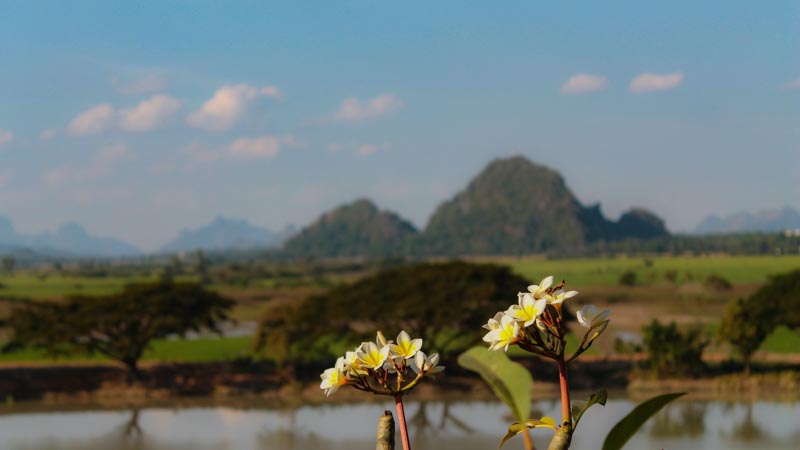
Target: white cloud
101, 165
792, 85
367, 149
227, 106
149, 114
651, 82
6, 136
92, 121
262, 147
353, 110
583, 83
145, 85
48, 134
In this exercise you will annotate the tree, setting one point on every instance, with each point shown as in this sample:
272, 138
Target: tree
444, 303
120, 326
745, 327
672, 351
747, 322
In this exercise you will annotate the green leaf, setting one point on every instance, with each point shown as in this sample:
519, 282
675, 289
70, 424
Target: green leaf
510, 381
517, 428
578, 408
627, 427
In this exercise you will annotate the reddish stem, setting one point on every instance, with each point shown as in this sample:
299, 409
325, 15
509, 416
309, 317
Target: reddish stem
401, 420
566, 414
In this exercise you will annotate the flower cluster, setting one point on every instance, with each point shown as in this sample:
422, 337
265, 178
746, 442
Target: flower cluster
536, 322
382, 367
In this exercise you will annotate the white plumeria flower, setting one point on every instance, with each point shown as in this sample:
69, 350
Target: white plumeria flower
590, 318
558, 297
380, 340
406, 347
427, 365
540, 290
372, 357
527, 310
494, 322
502, 336
333, 378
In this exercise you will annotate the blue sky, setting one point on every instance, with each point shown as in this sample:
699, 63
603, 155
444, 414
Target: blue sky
138, 120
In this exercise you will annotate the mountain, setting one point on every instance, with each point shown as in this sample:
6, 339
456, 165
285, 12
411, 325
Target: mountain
354, 229
225, 234
764, 221
71, 239
515, 206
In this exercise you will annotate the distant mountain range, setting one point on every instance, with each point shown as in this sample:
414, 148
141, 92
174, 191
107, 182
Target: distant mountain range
513, 206
68, 240
771, 220
226, 234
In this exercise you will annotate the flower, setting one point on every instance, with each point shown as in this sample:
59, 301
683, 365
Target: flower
406, 347
556, 298
494, 322
503, 335
528, 309
371, 356
540, 290
427, 365
590, 318
333, 378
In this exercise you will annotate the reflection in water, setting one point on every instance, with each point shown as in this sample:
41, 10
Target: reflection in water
689, 420
434, 426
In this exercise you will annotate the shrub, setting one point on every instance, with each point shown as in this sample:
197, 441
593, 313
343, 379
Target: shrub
717, 283
628, 278
672, 352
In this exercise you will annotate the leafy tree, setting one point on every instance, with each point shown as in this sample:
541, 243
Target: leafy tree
745, 327
747, 322
672, 351
444, 303
120, 326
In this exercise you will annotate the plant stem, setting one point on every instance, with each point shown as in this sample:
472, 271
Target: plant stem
401, 420
528, 441
566, 414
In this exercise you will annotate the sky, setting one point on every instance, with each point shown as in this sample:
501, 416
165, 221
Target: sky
140, 119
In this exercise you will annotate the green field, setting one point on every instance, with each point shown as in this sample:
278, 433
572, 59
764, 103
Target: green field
606, 271
170, 350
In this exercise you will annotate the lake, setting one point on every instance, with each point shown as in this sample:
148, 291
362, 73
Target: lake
467, 425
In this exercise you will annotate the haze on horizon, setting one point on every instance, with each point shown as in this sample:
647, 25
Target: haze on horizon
138, 121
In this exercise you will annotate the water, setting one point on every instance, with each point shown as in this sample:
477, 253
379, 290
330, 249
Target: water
468, 425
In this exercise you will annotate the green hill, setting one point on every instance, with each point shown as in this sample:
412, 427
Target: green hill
512, 207
515, 207
354, 229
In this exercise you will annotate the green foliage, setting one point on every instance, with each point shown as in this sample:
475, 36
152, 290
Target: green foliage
745, 327
120, 326
628, 278
579, 408
443, 303
510, 381
628, 425
780, 298
672, 352
717, 283
748, 322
